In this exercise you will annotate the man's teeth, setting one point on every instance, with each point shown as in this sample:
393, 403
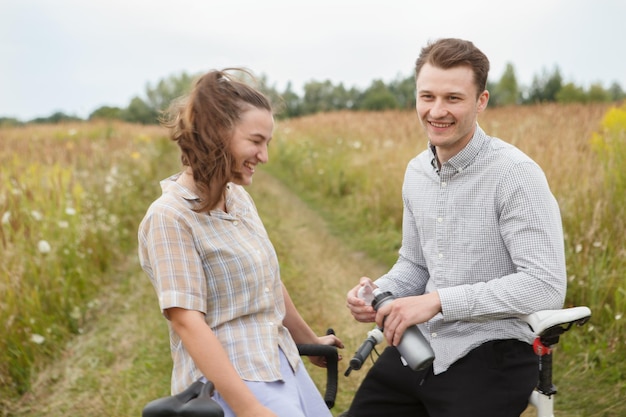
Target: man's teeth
440, 124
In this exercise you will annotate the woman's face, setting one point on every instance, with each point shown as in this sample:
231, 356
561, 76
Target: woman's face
249, 143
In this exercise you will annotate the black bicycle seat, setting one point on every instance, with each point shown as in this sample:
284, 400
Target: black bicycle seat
195, 401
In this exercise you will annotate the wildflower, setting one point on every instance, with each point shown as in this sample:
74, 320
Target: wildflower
37, 338
618, 316
6, 217
36, 215
63, 224
70, 211
76, 314
135, 155
579, 248
43, 246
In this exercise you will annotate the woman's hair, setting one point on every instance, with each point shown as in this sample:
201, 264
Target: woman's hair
202, 124
450, 53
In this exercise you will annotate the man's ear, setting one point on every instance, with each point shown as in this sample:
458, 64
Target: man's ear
483, 99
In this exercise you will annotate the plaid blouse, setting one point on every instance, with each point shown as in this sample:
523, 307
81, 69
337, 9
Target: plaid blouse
485, 232
224, 266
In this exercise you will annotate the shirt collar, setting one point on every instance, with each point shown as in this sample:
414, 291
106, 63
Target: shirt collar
233, 203
465, 157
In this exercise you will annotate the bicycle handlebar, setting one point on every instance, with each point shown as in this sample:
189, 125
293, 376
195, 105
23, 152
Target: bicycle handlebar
332, 358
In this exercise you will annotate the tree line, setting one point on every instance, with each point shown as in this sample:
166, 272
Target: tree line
326, 96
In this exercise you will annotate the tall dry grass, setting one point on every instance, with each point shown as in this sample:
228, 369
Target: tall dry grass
70, 198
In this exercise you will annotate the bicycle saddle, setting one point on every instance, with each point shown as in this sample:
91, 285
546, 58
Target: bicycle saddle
540, 321
195, 401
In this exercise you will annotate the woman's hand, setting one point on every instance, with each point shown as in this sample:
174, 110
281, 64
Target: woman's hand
329, 340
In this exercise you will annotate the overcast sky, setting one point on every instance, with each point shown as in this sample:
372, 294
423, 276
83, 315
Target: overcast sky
77, 55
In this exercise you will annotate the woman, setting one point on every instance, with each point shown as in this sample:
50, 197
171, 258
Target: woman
213, 266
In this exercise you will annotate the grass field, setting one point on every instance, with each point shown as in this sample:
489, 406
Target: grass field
71, 197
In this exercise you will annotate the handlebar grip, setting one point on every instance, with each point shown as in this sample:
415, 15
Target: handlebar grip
362, 353
332, 358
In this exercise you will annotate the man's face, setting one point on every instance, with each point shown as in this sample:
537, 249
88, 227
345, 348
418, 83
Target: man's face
448, 107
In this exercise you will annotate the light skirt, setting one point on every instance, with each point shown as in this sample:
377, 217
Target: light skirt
295, 396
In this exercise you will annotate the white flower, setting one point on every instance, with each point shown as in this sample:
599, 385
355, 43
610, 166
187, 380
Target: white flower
36, 215
63, 224
43, 246
75, 314
618, 316
6, 217
579, 248
37, 338
70, 211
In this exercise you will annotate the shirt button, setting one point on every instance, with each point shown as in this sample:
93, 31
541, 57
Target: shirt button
235, 223
443, 184
267, 289
271, 323
440, 255
439, 219
434, 334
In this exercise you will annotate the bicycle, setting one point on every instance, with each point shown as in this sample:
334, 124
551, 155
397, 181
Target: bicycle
547, 326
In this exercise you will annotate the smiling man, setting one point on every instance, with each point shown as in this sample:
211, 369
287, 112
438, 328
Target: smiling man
482, 244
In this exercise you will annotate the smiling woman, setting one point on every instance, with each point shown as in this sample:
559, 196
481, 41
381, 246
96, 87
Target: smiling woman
215, 271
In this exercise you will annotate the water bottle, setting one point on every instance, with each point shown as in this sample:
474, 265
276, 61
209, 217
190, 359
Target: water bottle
413, 347
366, 293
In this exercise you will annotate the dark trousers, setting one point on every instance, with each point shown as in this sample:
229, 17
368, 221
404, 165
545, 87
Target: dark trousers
493, 380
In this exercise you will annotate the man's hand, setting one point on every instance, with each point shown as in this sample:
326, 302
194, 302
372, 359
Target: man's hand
395, 317
359, 309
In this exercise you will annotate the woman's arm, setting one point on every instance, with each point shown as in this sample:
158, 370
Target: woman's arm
302, 333
211, 358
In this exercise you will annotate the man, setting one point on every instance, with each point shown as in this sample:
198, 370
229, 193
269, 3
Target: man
482, 244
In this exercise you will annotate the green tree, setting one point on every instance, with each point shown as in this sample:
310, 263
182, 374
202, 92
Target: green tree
571, 93
507, 90
598, 94
545, 87
616, 92
106, 112
378, 97
318, 97
57, 117
9, 122
161, 95
292, 103
138, 111
403, 89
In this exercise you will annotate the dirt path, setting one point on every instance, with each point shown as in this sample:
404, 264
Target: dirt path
122, 360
